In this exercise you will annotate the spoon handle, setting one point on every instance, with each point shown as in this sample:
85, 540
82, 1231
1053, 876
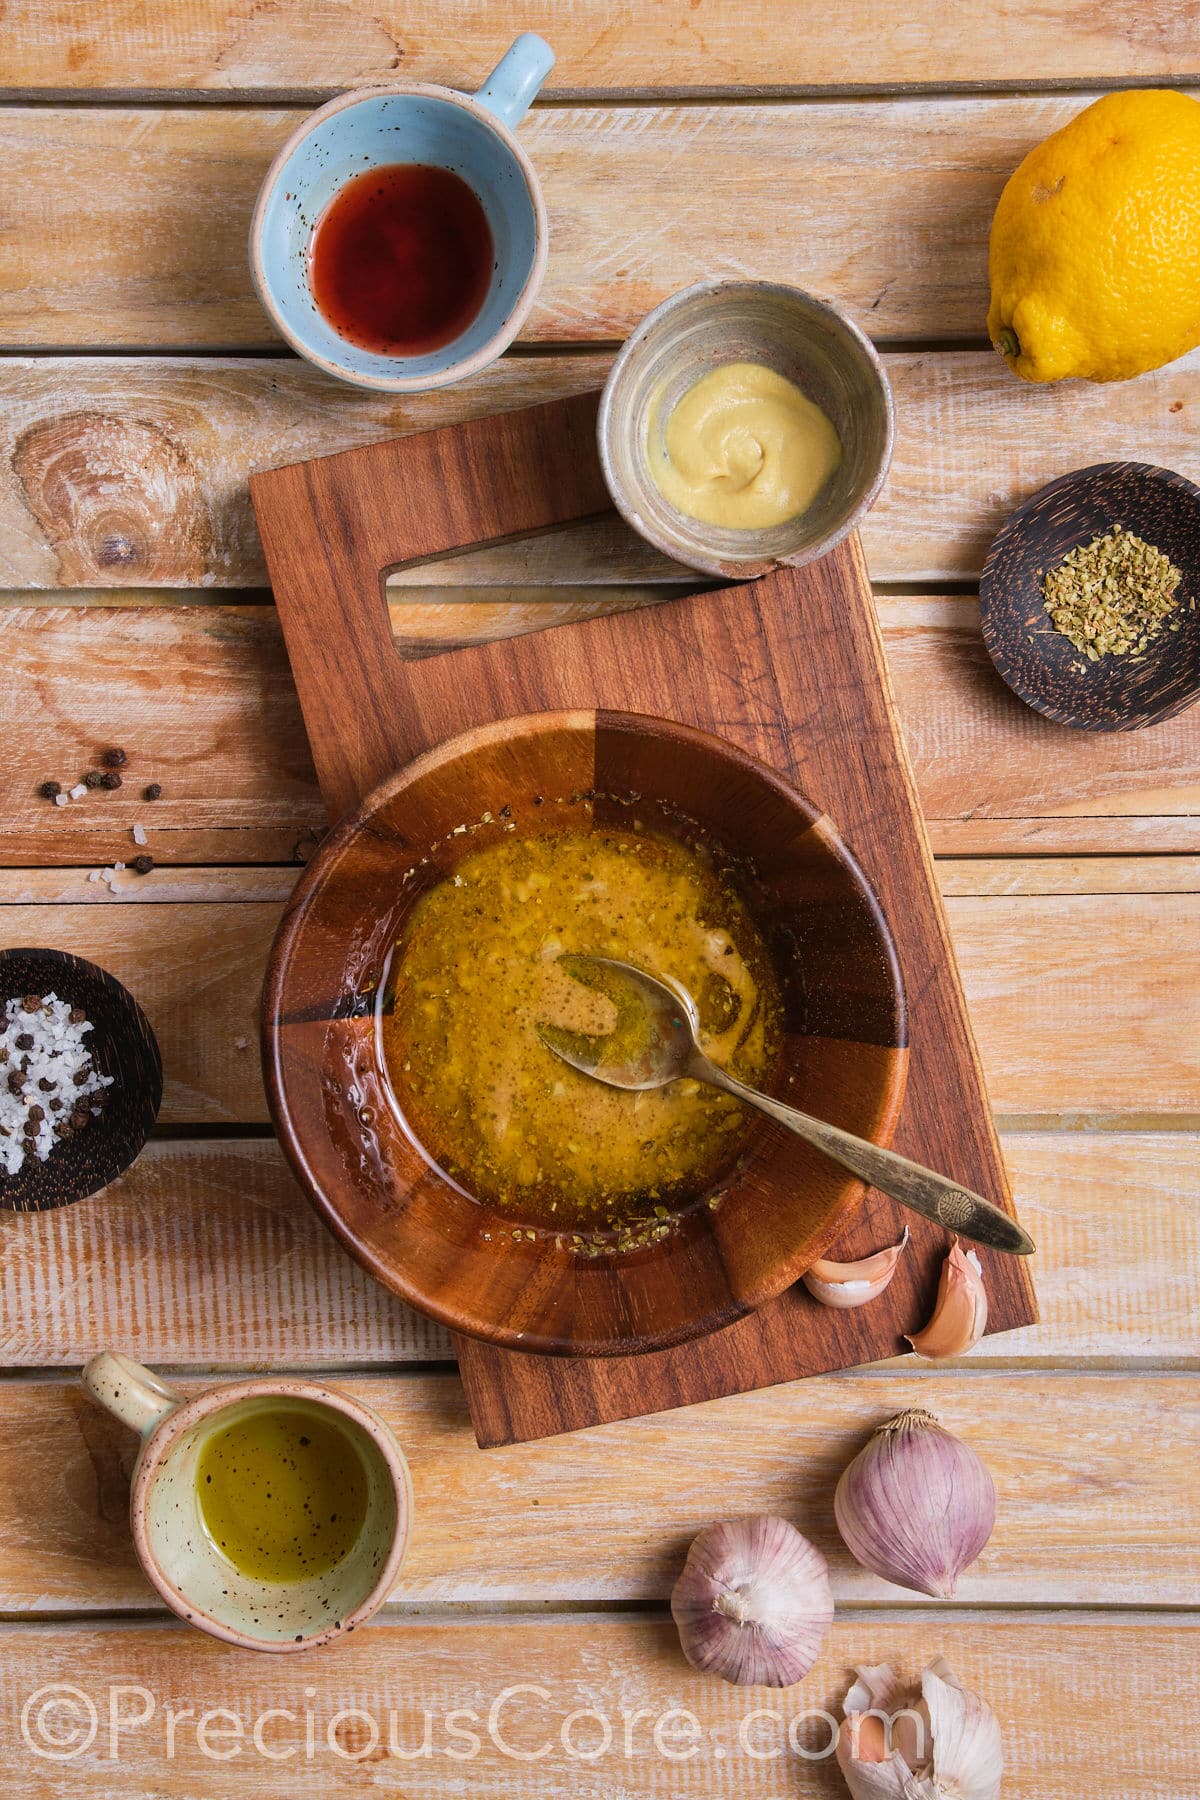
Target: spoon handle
924, 1191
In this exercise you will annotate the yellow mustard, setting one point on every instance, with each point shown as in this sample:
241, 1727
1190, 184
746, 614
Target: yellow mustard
742, 448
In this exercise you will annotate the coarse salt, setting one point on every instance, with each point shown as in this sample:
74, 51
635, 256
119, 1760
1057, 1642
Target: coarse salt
58, 1054
79, 790
62, 799
139, 834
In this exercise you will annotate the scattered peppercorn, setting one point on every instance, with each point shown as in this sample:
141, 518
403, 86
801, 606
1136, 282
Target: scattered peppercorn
48, 789
24, 1040
78, 1016
81, 1076
47, 1086
15, 1083
31, 1003
55, 1105
153, 792
79, 1119
93, 779
143, 864
114, 758
36, 1113
110, 779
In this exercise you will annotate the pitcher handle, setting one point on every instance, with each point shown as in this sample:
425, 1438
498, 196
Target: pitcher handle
131, 1393
511, 87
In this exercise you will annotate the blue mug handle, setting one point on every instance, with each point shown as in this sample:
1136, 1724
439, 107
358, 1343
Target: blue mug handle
512, 86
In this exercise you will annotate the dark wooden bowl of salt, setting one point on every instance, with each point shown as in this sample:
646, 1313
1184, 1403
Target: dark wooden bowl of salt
120, 1045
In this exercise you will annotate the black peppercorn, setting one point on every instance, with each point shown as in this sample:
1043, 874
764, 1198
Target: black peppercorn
79, 1119
78, 1016
55, 1105
15, 1083
31, 1003
93, 779
143, 864
36, 1114
24, 1040
80, 1076
48, 789
114, 758
153, 792
110, 779
47, 1086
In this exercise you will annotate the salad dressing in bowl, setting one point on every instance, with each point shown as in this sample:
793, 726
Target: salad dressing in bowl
484, 958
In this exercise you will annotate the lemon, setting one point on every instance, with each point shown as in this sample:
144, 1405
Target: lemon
1095, 249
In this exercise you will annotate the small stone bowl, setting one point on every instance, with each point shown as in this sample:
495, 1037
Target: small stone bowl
1037, 661
808, 341
123, 1045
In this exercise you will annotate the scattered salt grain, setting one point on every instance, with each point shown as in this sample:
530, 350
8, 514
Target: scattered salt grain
79, 790
241, 1043
139, 834
62, 799
95, 874
57, 1066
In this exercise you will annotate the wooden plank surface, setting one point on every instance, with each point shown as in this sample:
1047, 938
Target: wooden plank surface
886, 206
175, 438
1112, 1213
202, 699
123, 226
1086, 1705
315, 46
1079, 1520
1076, 999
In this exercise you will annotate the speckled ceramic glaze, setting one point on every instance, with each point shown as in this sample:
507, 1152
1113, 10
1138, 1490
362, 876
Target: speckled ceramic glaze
470, 134
192, 1576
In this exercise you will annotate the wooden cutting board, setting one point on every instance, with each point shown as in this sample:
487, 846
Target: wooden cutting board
791, 668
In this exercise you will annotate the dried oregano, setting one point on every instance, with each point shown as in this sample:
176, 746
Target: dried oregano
1113, 596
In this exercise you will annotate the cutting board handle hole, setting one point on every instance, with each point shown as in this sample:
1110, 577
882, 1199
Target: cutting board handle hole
513, 586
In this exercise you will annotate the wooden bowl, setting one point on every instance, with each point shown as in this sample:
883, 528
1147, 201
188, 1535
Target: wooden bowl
844, 1046
1038, 662
123, 1045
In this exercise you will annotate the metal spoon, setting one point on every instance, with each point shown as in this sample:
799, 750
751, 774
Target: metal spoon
656, 1043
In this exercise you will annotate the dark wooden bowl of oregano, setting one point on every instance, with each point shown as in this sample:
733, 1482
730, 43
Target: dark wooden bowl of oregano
1090, 597
80, 1079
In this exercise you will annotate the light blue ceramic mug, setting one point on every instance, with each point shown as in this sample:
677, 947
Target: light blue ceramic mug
470, 134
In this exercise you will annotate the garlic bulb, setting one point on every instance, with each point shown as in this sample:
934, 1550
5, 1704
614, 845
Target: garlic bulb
916, 1505
850, 1284
940, 1742
960, 1311
753, 1604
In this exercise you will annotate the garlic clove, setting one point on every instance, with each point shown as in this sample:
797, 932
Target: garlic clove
871, 1777
848, 1284
940, 1742
916, 1505
753, 1604
968, 1752
960, 1311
